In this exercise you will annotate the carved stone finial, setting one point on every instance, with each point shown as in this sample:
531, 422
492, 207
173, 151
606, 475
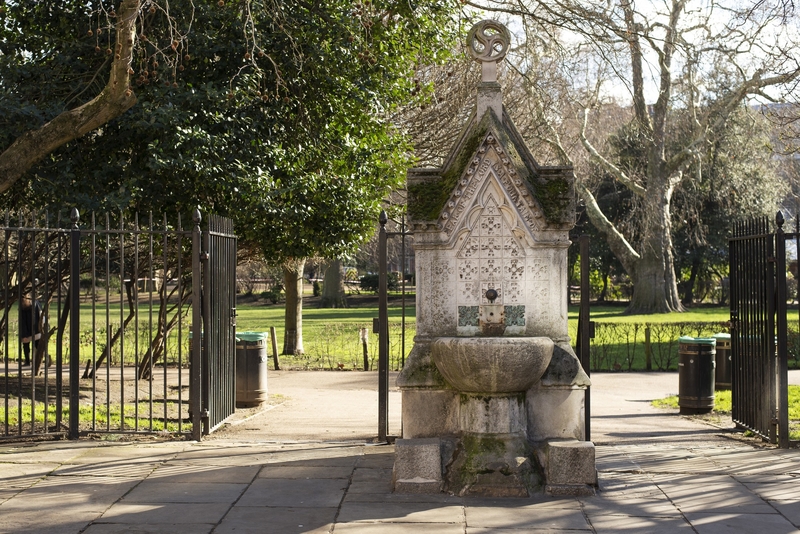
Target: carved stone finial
488, 43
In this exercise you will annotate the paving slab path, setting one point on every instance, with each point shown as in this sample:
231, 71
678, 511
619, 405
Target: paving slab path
658, 472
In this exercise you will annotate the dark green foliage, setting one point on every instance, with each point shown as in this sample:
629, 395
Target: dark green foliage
369, 282
295, 144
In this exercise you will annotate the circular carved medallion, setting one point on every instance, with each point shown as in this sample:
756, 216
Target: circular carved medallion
488, 40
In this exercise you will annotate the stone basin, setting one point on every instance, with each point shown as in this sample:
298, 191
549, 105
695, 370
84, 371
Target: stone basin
492, 364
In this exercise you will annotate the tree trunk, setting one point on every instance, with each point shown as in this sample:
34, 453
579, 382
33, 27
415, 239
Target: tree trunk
293, 318
652, 271
655, 287
333, 295
688, 294
604, 292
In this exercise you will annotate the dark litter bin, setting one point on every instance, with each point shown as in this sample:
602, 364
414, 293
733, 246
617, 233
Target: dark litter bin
251, 369
722, 375
696, 374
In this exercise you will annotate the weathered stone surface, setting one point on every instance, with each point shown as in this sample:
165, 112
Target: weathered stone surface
565, 368
419, 369
429, 413
491, 364
493, 414
489, 97
417, 466
555, 413
569, 490
491, 231
493, 465
568, 463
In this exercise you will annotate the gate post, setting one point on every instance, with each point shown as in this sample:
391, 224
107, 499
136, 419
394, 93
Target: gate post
770, 413
195, 359
74, 325
780, 306
383, 336
585, 332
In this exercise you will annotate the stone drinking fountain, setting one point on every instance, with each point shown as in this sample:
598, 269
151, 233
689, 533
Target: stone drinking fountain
493, 394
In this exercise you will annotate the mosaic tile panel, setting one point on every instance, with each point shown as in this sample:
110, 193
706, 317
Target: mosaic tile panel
468, 315
515, 315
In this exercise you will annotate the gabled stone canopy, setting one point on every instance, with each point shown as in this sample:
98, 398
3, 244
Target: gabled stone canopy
541, 196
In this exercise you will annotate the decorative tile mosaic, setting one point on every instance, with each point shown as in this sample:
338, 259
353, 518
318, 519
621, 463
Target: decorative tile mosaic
539, 269
468, 316
468, 270
491, 255
491, 285
513, 269
515, 315
469, 292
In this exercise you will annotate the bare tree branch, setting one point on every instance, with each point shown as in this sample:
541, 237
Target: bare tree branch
610, 167
113, 100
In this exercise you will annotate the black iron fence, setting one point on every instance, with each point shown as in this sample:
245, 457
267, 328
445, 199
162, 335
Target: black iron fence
759, 317
96, 325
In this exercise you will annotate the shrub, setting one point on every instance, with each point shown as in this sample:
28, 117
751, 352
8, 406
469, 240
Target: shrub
274, 295
369, 282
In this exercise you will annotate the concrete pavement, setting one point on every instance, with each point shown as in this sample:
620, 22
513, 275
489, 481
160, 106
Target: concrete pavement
304, 466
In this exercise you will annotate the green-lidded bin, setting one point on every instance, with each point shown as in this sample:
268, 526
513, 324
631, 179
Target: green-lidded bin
251, 369
696, 365
722, 375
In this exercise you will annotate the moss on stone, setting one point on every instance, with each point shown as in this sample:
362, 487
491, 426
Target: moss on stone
427, 199
486, 465
420, 371
429, 374
553, 196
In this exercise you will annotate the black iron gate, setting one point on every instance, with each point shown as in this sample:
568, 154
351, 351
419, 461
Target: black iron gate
759, 354
95, 325
219, 323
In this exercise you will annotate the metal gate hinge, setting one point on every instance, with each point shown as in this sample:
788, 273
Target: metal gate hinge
772, 259
204, 414
204, 256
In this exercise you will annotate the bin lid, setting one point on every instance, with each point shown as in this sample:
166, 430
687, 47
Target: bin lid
722, 335
697, 340
251, 336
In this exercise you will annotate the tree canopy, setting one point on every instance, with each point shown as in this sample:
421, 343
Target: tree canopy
279, 116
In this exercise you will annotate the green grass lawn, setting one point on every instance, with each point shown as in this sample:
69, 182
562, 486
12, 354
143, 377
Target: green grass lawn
617, 314
331, 336
101, 418
723, 403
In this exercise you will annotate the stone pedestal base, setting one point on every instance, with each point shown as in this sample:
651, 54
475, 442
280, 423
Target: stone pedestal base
417, 466
569, 467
